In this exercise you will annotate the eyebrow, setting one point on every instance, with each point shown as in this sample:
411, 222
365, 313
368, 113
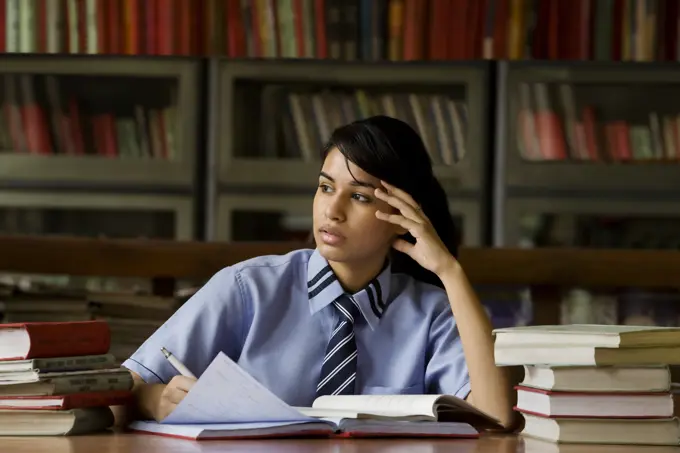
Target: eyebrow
353, 183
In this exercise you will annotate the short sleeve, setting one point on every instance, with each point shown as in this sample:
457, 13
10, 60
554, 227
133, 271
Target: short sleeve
212, 320
446, 371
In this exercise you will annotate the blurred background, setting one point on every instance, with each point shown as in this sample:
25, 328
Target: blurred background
550, 123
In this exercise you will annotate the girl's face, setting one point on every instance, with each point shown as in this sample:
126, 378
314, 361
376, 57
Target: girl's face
345, 226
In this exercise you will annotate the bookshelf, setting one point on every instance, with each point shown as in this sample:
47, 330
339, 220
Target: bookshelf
284, 217
592, 126
586, 138
270, 118
93, 120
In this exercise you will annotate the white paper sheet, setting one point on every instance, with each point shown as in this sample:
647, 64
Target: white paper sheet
225, 393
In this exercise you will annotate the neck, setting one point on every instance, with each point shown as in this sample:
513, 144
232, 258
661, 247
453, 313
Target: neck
354, 276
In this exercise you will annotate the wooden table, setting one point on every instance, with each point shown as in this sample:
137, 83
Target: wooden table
145, 443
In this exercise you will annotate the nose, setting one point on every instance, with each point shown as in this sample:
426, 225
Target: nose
335, 209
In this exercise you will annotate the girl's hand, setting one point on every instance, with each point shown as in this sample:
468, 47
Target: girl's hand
429, 251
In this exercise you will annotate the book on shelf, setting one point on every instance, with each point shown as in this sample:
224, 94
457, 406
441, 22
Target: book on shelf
207, 411
554, 123
353, 29
308, 118
51, 115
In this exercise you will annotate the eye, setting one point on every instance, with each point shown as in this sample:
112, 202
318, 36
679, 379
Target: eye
323, 187
361, 197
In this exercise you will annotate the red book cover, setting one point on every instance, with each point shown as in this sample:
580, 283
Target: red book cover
165, 32
102, 26
414, 29
41, 13
3, 26
61, 339
113, 30
236, 31
438, 30
152, 24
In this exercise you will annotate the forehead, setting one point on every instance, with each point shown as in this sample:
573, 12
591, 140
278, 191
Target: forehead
335, 165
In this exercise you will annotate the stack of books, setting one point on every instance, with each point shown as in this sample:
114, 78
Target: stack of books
594, 383
58, 379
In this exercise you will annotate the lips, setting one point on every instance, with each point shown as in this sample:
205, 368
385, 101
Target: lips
331, 235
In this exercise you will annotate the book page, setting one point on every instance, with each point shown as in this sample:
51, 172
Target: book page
225, 393
396, 405
339, 414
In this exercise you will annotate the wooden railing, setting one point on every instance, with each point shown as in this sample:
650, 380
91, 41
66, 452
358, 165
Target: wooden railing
546, 271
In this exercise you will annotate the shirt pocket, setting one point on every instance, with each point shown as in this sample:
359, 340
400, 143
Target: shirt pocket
416, 389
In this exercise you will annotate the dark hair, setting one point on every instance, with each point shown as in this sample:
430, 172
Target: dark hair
389, 149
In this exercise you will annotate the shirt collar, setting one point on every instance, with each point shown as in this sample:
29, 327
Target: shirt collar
323, 288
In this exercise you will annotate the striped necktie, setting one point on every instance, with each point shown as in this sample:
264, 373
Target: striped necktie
339, 369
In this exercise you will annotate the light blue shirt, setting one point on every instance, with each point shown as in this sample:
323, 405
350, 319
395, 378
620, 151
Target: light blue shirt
273, 316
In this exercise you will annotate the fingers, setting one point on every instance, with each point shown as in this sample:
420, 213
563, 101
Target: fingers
401, 200
174, 395
183, 383
405, 208
397, 219
403, 246
401, 194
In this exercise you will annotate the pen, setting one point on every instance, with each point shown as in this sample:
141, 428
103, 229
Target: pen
179, 366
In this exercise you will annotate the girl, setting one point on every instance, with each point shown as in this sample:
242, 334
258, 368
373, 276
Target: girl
380, 306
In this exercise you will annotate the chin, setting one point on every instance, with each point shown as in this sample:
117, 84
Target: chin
332, 253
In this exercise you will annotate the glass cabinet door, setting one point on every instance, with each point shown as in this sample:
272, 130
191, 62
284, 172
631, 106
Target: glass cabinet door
594, 126
100, 120
273, 118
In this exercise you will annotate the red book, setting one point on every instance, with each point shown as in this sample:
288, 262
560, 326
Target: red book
22, 341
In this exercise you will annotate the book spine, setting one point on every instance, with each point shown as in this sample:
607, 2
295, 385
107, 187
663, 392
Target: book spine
104, 382
74, 363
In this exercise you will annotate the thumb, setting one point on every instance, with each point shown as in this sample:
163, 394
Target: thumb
403, 246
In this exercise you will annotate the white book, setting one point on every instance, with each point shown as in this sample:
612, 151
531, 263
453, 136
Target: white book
591, 335
598, 379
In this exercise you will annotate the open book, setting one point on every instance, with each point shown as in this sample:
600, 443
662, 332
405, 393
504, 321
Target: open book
226, 402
